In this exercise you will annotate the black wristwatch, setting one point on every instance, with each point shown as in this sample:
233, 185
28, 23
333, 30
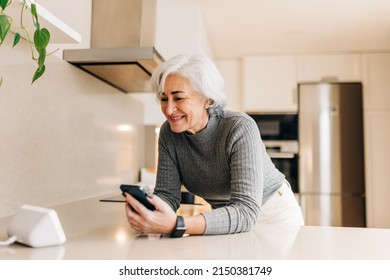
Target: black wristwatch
180, 227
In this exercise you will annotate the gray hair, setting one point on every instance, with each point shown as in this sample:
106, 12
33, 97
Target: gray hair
202, 75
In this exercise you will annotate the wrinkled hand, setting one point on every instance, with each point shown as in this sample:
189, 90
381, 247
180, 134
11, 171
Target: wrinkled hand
161, 221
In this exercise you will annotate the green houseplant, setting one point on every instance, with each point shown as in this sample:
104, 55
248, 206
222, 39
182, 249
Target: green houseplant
41, 39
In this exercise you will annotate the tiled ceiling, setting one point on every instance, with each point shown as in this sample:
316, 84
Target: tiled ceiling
239, 28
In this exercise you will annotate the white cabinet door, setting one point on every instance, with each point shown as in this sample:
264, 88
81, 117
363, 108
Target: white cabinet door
376, 88
343, 67
377, 138
231, 72
376, 82
269, 84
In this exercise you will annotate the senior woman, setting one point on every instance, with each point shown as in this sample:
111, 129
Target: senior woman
216, 154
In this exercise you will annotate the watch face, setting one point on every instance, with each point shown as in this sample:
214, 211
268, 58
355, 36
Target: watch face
178, 233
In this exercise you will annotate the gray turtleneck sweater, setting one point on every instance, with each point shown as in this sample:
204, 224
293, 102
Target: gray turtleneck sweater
226, 164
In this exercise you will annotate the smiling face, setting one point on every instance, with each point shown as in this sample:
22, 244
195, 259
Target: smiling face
184, 108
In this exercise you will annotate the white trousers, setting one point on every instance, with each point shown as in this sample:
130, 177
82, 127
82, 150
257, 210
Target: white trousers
281, 208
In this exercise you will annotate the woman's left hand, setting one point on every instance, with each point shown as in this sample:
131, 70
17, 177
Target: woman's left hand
162, 220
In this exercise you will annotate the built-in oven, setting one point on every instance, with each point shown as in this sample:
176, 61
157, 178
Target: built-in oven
279, 133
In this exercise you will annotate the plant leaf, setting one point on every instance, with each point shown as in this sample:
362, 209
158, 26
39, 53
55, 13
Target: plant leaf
42, 57
4, 3
16, 39
5, 26
34, 12
41, 38
38, 73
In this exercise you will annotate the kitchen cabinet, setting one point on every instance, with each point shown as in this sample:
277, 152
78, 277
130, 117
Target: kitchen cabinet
377, 137
269, 84
376, 82
376, 86
343, 67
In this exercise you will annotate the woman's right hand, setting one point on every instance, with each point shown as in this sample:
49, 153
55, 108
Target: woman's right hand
160, 221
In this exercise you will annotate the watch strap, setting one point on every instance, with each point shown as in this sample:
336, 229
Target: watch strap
180, 227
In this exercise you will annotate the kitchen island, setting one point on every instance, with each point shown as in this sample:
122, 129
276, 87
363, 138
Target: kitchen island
98, 230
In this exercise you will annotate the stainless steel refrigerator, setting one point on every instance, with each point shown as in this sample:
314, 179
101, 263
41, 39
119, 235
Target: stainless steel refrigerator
331, 154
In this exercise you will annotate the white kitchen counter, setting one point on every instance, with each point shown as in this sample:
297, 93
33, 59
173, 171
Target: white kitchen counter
99, 231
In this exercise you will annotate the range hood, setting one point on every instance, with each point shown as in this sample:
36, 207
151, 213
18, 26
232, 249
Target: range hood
122, 52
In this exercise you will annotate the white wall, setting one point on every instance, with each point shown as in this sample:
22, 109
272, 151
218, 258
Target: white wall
58, 137
152, 110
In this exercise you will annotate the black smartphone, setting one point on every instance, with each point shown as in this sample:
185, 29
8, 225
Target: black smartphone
138, 193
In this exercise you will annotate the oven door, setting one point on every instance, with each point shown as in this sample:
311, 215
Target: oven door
284, 155
289, 167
